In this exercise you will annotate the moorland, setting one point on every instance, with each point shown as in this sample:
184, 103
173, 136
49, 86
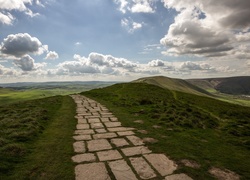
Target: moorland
190, 121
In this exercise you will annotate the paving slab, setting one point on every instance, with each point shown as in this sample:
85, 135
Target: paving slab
79, 147
178, 177
105, 119
89, 171
82, 126
135, 140
82, 121
93, 120
112, 124
131, 151
109, 155
125, 133
101, 130
161, 163
119, 142
121, 170
99, 144
104, 136
87, 157
96, 125
85, 131
82, 137
115, 129
113, 119
142, 168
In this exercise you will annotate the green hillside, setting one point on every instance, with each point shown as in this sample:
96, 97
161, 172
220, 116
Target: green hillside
210, 132
173, 84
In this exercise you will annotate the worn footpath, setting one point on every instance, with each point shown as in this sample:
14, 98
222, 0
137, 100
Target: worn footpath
107, 150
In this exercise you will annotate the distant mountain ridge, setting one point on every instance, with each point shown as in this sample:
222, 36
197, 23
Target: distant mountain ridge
229, 85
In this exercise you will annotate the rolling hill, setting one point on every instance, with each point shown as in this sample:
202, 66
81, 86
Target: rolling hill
189, 126
174, 84
230, 85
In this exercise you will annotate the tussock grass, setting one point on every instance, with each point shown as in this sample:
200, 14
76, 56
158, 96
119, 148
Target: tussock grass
203, 129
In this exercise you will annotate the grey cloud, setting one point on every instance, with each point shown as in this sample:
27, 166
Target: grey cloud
212, 35
26, 63
21, 44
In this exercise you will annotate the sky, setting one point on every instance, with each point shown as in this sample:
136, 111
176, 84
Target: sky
122, 40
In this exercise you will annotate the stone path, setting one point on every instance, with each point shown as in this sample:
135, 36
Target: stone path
107, 150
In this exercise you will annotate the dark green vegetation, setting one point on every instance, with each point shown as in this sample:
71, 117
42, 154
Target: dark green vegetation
36, 139
208, 131
16, 92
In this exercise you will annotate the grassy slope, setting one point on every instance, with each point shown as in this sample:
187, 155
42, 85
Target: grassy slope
174, 84
8, 96
36, 139
206, 130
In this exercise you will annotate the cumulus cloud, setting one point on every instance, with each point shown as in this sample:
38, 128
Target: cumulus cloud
52, 55
130, 25
136, 6
21, 44
156, 63
6, 71
207, 28
7, 7
95, 63
26, 63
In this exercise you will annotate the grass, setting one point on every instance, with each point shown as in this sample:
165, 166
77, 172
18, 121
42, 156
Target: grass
8, 96
208, 131
36, 139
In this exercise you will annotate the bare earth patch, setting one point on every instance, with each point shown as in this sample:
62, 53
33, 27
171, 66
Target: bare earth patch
139, 121
224, 174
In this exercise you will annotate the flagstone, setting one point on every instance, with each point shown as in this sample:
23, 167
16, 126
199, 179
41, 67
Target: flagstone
135, 140
121, 170
104, 136
89, 171
99, 144
119, 142
109, 155
82, 137
87, 157
161, 163
125, 133
142, 168
131, 151
79, 147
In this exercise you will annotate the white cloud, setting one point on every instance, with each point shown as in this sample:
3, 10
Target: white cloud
207, 28
156, 63
136, 6
6, 18
21, 44
142, 6
6, 71
130, 25
52, 55
8, 6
